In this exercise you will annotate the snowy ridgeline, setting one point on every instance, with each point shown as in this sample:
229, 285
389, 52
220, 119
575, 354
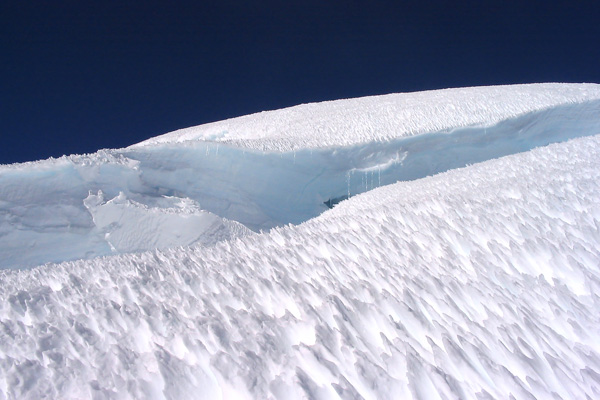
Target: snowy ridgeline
381, 118
192, 187
480, 282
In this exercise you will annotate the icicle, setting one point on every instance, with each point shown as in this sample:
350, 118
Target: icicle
348, 182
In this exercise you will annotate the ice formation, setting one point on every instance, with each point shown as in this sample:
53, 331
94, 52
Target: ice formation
477, 282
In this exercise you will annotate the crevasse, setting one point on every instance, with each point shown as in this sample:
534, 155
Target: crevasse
204, 192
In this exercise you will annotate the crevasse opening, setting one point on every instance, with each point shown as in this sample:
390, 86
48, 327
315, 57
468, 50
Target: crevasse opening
167, 195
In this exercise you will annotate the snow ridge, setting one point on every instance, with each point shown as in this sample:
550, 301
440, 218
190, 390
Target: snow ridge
381, 118
479, 282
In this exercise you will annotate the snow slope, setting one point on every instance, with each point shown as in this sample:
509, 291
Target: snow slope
479, 282
270, 169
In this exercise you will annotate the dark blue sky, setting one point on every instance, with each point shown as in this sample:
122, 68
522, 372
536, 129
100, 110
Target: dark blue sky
87, 75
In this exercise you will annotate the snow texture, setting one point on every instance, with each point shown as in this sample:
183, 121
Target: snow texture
382, 118
480, 281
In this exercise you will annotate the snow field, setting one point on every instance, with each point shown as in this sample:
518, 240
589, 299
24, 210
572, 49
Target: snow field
478, 282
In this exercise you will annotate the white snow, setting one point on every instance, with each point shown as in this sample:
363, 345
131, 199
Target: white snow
476, 282
129, 226
382, 118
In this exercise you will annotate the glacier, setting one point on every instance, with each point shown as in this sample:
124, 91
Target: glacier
270, 169
205, 263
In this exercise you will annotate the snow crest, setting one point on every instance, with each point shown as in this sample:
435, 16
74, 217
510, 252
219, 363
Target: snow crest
479, 282
381, 118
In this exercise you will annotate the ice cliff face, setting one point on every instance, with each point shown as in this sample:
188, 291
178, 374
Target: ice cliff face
477, 282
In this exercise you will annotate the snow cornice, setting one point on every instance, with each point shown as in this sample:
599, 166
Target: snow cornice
381, 118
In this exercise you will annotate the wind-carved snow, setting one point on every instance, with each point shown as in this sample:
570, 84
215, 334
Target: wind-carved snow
480, 282
350, 122
45, 217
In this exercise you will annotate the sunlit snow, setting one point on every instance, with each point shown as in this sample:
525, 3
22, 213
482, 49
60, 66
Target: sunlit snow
479, 281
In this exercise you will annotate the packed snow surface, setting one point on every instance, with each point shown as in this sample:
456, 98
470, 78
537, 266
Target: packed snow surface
479, 282
465, 262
